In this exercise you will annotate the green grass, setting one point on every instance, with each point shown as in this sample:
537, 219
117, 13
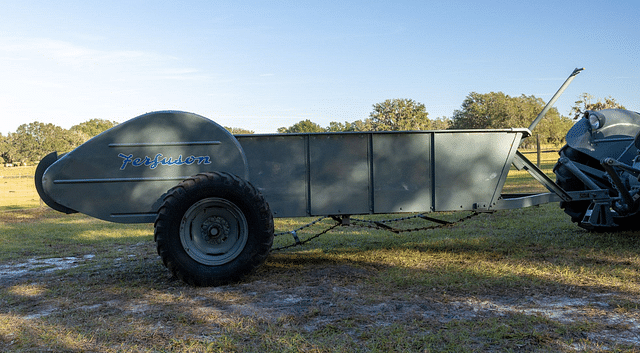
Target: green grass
520, 181
17, 190
40, 232
354, 289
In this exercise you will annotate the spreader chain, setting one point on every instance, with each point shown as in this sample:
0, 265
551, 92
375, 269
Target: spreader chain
297, 240
381, 224
301, 228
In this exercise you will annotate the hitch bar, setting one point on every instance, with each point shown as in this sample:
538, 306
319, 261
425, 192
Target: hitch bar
521, 162
578, 173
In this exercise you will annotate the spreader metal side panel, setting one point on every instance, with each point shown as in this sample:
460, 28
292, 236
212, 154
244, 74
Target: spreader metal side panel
470, 168
402, 172
122, 174
380, 172
348, 173
279, 169
339, 174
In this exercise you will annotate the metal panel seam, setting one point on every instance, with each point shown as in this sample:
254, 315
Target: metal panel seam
307, 162
432, 171
371, 175
503, 175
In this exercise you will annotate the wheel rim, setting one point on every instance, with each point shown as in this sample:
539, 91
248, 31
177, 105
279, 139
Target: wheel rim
213, 231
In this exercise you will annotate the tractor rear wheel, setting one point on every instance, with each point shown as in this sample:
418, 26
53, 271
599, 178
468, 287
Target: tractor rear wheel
577, 209
213, 229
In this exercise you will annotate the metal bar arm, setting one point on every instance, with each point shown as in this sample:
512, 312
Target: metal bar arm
522, 161
554, 98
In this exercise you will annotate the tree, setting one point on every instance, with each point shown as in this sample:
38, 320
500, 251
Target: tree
238, 130
390, 115
302, 126
585, 103
33, 141
496, 110
553, 129
359, 125
93, 127
335, 126
7, 149
442, 123
4, 148
399, 115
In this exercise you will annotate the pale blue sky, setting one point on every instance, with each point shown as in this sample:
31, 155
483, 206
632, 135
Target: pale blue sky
261, 65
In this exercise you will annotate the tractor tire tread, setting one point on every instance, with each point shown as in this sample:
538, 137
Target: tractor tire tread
224, 185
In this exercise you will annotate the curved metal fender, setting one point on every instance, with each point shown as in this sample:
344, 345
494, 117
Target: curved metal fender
617, 129
122, 174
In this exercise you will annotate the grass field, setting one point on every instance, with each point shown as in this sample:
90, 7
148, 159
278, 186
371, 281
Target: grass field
17, 190
519, 280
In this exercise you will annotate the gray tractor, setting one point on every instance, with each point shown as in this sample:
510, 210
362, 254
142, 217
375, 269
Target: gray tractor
602, 154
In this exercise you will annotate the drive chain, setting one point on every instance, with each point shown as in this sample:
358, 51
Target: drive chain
382, 225
297, 240
364, 223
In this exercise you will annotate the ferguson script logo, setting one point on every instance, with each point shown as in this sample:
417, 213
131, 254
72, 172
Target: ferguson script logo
159, 159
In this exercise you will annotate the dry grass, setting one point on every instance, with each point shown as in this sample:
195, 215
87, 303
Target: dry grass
520, 181
519, 280
17, 190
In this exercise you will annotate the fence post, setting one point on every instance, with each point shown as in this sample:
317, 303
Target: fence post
538, 150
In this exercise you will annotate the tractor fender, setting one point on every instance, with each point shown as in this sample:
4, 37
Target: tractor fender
614, 132
123, 174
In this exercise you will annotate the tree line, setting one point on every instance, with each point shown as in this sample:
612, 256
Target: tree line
30, 142
494, 110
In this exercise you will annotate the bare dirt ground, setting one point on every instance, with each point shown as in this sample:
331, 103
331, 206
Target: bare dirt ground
316, 297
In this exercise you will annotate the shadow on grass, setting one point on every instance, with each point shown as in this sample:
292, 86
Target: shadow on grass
349, 290
42, 232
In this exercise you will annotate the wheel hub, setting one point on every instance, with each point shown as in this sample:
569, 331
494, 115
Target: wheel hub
215, 230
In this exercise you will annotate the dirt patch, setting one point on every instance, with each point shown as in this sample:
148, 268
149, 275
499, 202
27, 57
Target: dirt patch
320, 298
39, 267
323, 303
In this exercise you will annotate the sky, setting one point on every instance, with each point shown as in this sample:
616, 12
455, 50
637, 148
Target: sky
261, 65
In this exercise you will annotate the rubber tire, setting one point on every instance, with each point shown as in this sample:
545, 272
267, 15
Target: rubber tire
221, 186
